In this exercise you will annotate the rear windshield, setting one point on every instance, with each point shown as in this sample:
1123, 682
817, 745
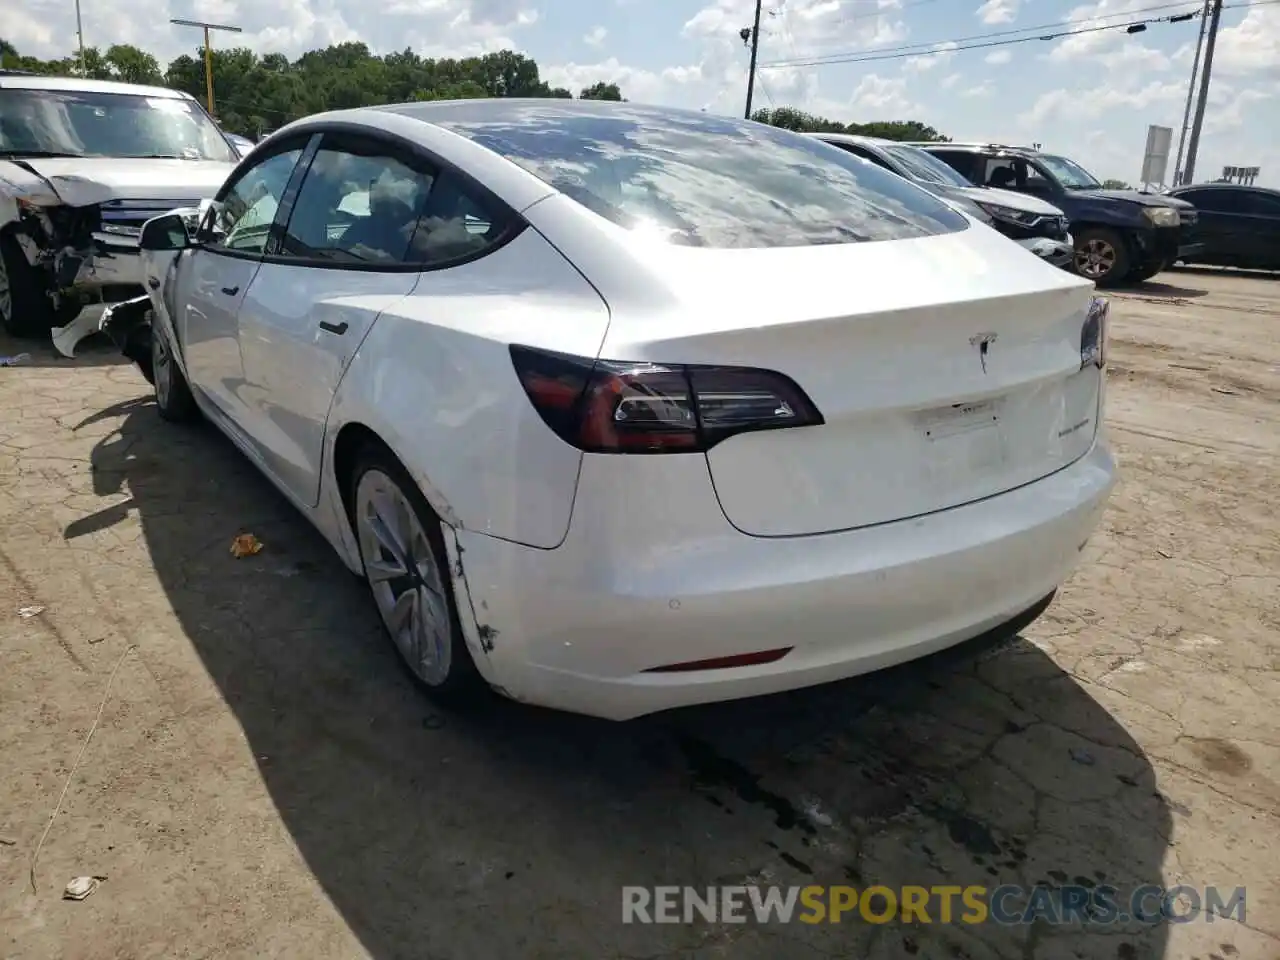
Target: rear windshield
713, 182
76, 123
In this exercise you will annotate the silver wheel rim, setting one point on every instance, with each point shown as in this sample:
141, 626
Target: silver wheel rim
161, 367
1096, 258
6, 293
405, 579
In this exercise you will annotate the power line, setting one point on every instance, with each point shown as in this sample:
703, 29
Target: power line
928, 47
931, 48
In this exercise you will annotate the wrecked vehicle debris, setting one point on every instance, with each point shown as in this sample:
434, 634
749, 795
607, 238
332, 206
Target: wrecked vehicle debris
83, 164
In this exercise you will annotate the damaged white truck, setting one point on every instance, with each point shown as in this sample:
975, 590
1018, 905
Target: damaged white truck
83, 164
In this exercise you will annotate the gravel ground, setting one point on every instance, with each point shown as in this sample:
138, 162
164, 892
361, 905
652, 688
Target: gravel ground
265, 782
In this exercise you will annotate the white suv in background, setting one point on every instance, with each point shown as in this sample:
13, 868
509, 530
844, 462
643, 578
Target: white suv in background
83, 164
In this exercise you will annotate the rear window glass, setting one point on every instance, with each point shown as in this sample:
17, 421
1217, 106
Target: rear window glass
711, 181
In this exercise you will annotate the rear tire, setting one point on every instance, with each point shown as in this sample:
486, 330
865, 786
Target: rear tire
407, 570
173, 395
1102, 256
25, 308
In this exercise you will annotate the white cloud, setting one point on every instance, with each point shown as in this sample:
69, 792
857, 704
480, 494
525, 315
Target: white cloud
983, 89
938, 55
642, 86
1252, 46
1058, 105
883, 98
997, 57
998, 11
595, 36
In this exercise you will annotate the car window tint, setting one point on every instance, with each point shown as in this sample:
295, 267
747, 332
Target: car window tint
243, 220
1216, 201
706, 181
968, 165
357, 204
454, 223
1262, 204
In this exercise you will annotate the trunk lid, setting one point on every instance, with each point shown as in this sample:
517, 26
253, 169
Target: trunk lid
886, 339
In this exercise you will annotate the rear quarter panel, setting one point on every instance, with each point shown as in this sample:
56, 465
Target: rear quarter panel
434, 380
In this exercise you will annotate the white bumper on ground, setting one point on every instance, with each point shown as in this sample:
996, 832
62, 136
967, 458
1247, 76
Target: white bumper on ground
651, 574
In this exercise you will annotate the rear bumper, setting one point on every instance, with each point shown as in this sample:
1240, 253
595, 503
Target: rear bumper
653, 579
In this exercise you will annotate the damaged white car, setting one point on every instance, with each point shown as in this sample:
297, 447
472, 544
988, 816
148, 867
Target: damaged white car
83, 164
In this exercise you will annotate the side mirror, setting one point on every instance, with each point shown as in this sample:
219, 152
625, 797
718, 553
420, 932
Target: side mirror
167, 232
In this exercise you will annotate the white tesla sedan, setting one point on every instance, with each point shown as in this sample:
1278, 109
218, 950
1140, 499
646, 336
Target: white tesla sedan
621, 408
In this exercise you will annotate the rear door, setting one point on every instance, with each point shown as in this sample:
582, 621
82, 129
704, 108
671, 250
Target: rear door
1223, 224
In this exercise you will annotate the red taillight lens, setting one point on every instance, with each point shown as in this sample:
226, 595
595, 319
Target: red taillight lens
1093, 335
609, 406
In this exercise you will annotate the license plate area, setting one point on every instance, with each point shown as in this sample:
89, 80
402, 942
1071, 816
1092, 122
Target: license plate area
962, 442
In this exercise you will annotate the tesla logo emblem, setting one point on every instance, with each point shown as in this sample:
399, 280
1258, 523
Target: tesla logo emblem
983, 342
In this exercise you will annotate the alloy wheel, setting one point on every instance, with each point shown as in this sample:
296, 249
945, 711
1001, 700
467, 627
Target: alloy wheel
405, 578
1095, 259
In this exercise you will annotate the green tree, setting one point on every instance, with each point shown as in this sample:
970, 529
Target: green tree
1116, 185
789, 118
601, 91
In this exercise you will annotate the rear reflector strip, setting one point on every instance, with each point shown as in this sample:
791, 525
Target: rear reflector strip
724, 663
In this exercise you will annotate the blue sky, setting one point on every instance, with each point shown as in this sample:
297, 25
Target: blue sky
1090, 96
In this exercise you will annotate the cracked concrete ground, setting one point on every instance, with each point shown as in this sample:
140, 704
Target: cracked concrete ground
265, 782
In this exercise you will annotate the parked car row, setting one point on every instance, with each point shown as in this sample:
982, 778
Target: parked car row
1034, 224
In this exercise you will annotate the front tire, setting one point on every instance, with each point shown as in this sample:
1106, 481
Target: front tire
406, 568
1101, 256
173, 395
25, 309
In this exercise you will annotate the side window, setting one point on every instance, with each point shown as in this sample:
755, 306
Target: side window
1217, 201
1036, 181
999, 172
242, 221
968, 165
1262, 204
359, 203
456, 222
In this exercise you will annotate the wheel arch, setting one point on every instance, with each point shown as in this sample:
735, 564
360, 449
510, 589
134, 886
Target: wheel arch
351, 438
347, 444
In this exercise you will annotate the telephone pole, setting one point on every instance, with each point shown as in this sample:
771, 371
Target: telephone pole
1191, 94
755, 49
80, 36
208, 53
1194, 145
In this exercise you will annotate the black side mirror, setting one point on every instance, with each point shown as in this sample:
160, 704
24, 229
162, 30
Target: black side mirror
167, 232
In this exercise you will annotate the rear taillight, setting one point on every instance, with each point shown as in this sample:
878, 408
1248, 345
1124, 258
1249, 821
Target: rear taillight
1093, 335
610, 406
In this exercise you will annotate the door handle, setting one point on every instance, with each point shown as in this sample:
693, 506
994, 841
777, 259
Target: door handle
338, 328
230, 291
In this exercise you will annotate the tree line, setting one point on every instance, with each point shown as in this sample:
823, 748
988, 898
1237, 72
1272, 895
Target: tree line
255, 94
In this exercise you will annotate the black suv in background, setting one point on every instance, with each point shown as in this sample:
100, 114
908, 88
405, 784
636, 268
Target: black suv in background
1120, 235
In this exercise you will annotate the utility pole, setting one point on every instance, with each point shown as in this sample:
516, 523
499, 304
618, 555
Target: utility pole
755, 49
1190, 171
1191, 94
208, 53
80, 35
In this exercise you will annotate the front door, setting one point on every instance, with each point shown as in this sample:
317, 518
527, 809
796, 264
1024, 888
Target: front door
213, 278
342, 259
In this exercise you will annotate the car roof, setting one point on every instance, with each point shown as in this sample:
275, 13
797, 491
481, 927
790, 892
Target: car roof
509, 110
26, 81
1214, 185
852, 138
976, 147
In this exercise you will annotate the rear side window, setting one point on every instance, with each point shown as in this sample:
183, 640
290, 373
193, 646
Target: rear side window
713, 182
358, 204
